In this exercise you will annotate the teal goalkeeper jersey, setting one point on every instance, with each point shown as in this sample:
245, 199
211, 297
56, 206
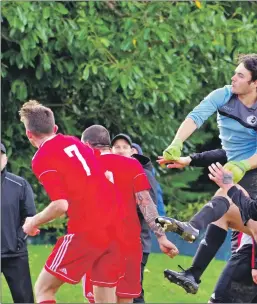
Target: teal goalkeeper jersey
237, 123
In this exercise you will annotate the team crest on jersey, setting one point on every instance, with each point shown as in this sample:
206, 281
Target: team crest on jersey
252, 120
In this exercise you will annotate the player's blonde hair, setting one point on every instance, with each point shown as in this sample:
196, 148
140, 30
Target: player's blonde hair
37, 118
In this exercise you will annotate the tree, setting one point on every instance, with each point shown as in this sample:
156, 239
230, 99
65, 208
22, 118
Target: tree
135, 67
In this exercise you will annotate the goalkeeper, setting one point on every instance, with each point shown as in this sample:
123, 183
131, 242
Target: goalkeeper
229, 286
236, 108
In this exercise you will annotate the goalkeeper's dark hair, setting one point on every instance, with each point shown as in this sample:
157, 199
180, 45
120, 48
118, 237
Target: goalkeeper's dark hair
250, 63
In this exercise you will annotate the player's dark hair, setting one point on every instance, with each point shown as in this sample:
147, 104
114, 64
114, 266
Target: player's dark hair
37, 118
96, 136
250, 63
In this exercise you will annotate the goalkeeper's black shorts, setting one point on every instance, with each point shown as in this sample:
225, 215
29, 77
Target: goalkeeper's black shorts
235, 284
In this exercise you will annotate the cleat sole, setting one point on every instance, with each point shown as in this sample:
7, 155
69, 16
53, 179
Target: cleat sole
187, 285
173, 227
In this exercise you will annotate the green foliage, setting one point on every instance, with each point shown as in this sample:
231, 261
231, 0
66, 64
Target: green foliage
179, 192
135, 67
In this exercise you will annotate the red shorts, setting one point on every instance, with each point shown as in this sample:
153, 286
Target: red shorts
88, 289
76, 254
129, 285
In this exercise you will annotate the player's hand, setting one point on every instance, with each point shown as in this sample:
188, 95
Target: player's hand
29, 227
254, 275
220, 176
173, 151
238, 169
181, 163
167, 247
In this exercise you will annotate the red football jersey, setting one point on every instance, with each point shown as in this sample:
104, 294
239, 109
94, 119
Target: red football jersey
129, 177
69, 170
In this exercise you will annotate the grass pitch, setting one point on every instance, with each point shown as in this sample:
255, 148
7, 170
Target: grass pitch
157, 289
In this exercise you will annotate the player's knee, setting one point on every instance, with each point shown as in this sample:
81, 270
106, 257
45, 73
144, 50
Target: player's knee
37, 289
218, 203
243, 190
42, 288
252, 225
221, 192
104, 294
222, 223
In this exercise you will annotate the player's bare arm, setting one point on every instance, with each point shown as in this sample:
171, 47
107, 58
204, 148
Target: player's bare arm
181, 163
149, 211
54, 210
51, 212
186, 129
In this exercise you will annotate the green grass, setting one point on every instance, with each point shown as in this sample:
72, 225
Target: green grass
157, 289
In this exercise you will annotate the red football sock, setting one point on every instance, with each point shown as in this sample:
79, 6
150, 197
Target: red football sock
49, 302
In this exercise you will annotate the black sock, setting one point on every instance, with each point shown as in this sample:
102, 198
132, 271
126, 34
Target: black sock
210, 212
214, 238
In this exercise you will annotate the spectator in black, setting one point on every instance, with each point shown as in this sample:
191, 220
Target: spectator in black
17, 203
122, 145
136, 149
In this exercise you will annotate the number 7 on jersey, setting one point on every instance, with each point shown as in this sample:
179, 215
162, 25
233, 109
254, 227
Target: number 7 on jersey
73, 148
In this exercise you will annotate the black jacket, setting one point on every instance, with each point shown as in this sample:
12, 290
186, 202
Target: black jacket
146, 238
17, 203
206, 158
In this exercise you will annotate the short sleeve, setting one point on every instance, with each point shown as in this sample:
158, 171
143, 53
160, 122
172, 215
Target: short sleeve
49, 177
209, 105
140, 180
53, 185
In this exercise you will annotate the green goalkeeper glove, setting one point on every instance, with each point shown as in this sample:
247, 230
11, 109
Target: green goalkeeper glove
238, 169
173, 152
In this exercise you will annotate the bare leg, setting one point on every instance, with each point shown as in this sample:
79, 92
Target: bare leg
104, 294
214, 238
123, 300
235, 221
232, 219
252, 226
46, 286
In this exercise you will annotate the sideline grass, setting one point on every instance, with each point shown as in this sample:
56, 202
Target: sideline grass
157, 290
